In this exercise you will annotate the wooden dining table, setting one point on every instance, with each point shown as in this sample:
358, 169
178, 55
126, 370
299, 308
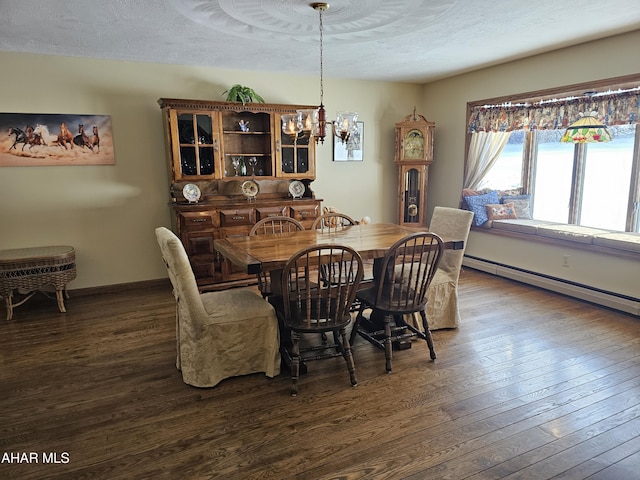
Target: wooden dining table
269, 253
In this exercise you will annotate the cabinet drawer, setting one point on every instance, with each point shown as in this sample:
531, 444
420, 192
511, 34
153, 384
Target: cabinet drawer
197, 220
205, 269
198, 243
308, 211
266, 212
230, 218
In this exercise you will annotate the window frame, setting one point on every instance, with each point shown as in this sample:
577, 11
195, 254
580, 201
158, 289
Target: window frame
632, 223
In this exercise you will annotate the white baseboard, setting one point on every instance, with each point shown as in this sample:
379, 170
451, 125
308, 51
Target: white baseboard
583, 292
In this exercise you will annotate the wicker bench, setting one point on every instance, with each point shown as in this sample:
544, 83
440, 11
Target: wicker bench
30, 269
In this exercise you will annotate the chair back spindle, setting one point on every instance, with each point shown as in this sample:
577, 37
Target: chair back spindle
331, 222
271, 226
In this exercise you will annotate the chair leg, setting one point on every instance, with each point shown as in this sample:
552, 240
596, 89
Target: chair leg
388, 348
427, 333
348, 356
356, 323
295, 362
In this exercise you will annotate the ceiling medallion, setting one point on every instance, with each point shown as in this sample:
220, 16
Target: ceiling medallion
287, 20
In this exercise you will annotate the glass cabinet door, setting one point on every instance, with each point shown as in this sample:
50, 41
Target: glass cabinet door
197, 145
297, 155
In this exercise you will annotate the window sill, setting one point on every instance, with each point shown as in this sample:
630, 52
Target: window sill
621, 244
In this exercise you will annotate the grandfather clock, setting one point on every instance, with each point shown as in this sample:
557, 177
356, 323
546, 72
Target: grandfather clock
414, 154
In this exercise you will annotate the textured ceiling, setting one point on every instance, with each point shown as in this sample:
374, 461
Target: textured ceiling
402, 40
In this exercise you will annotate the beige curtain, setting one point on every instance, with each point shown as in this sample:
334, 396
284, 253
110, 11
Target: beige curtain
484, 150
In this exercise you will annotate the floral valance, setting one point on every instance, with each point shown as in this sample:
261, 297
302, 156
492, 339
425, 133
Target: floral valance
612, 108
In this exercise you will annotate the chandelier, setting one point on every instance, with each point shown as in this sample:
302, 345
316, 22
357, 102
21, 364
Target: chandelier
313, 122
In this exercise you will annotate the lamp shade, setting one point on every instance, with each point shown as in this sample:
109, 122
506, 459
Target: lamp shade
291, 124
309, 119
587, 129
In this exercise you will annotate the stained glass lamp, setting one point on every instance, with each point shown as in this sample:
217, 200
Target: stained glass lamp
587, 129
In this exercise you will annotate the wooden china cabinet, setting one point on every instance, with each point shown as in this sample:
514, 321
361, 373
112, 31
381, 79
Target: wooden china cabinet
231, 165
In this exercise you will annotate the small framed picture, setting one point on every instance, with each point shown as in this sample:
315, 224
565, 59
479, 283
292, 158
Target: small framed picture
352, 150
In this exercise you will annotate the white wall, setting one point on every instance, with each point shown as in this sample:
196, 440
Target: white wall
445, 103
108, 213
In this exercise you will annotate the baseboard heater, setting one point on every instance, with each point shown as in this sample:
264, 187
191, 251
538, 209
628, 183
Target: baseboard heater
583, 292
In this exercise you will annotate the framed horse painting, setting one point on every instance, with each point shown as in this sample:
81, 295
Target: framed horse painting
33, 139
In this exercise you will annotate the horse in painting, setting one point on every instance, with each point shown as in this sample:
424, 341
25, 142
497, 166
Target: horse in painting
47, 137
82, 140
21, 137
95, 139
65, 136
33, 137
26, 137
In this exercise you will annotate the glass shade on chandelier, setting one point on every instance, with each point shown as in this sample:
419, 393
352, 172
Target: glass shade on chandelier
345, 125
291, 124
587, 129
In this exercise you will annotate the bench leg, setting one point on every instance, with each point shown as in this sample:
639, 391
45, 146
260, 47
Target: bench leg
9, 302
60, 297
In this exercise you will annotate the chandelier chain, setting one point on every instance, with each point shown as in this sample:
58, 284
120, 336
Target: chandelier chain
316, 121
321, 60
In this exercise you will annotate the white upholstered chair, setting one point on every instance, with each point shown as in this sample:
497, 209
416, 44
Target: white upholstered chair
219, 334
442, 296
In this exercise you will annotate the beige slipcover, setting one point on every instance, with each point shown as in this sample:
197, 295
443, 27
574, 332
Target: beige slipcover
219, 334
442, 295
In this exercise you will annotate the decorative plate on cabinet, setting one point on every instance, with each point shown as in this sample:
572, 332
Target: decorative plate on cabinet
250, 188
191, 192
296, 189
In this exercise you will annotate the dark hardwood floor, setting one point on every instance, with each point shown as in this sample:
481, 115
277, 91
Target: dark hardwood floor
533, 385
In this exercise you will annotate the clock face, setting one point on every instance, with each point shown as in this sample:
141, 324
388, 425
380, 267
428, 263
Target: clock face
413, 145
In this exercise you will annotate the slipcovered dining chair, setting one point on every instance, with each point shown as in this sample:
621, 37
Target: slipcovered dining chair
442, 306
218, 334
442, 296
309, 305
400, 288
270, 226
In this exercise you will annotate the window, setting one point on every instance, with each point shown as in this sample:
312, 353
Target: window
551, 186
595, 184
607, 180
506, 173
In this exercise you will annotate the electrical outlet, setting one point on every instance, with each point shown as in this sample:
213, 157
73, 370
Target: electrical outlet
565, 260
